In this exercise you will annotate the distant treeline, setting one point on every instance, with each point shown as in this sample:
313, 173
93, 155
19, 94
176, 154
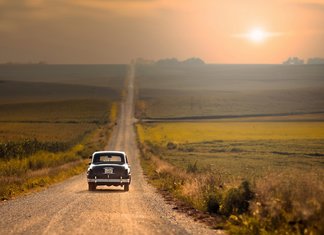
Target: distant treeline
296, 60
194, 61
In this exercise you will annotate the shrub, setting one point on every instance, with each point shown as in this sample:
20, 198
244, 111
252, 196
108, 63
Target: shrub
236, 200
213, 203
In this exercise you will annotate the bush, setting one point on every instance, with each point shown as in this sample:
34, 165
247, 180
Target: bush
213, 203
236, 200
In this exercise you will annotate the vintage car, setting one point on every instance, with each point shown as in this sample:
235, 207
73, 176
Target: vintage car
108, 168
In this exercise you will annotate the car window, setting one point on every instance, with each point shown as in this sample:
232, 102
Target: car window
108, 158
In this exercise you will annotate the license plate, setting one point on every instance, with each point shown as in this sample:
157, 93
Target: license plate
109, 170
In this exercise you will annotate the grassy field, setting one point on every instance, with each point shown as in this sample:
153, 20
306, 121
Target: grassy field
44, 139
19, 175
252, 174
240, 149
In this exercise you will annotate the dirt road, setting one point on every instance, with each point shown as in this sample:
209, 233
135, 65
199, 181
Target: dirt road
69, 208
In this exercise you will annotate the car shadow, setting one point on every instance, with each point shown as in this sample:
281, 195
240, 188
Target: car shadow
105, 190
108, 190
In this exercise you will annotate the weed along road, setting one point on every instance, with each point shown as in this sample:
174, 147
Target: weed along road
69, 208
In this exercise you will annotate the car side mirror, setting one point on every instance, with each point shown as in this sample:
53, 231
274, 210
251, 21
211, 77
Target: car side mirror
90, 157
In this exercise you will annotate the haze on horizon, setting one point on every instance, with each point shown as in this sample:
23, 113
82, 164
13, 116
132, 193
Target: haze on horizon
116, 31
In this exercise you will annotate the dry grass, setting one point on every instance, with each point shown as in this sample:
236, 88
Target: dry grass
33, 181
301, 197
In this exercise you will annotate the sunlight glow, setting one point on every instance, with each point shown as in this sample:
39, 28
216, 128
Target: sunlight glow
257, 35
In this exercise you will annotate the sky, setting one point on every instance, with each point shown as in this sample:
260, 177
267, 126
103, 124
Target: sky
117, 31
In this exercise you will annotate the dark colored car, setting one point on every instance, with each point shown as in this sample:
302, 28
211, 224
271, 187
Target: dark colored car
109, 168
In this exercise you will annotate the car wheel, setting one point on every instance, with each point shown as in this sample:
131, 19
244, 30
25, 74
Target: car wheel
126, 187
91, 186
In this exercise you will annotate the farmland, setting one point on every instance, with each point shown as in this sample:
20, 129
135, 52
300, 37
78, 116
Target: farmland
244, 143
68, 111
240, 149
52, 118
109, 76
179, 91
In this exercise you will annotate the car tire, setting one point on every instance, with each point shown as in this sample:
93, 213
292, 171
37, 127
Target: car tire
92, 186
126, 187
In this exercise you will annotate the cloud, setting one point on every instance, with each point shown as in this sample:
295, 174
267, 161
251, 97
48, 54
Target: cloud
137, 8
316, 6
18, 11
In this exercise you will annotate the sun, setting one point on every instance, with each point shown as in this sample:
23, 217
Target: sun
257, 35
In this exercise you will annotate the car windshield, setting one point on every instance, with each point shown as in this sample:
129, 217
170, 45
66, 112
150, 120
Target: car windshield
108, 158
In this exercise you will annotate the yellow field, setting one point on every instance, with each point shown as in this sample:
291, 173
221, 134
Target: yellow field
189, 132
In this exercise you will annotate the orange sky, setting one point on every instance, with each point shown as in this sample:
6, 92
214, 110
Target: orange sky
115, 31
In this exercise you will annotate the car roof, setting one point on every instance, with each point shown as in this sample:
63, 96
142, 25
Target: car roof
106, 151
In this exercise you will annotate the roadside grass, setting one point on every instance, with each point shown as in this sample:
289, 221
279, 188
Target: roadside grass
12, 187
113, 112
259, 177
